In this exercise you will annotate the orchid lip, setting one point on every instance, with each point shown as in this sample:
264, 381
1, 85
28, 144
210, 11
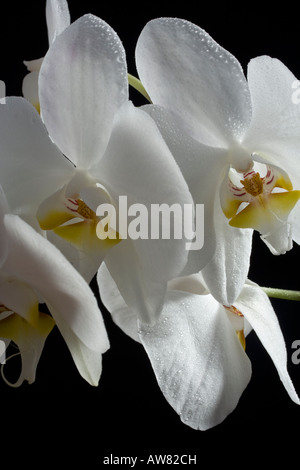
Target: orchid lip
269, 199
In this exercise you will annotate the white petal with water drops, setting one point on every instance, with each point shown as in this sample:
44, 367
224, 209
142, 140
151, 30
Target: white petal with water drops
197, 358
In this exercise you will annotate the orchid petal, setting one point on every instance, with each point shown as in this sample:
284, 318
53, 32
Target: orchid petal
57, 17
77, 316
226, 272
139, 165
276, 138
202, 83
31, 166
34, 65
197, 358
194, 284
294, 220
30, 89
3, 237
87, 357
143, 294
20, 298
195, 160
83, 81
86, 263
280, 240
257, 309
122, 315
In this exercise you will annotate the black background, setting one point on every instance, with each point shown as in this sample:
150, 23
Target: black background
61, 419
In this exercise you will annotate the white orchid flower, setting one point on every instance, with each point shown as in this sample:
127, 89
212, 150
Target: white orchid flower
32, 270
236, 141
113, 149
197, 348
57, 20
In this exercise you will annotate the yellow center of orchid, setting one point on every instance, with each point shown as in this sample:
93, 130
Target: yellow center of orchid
74, 221
80, 209
84, 210
264, 209
253, 185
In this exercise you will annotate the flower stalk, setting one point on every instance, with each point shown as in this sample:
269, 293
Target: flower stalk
284, 294
137, 85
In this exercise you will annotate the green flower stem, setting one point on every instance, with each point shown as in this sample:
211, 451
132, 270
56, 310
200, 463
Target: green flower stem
137, 84
282, 293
